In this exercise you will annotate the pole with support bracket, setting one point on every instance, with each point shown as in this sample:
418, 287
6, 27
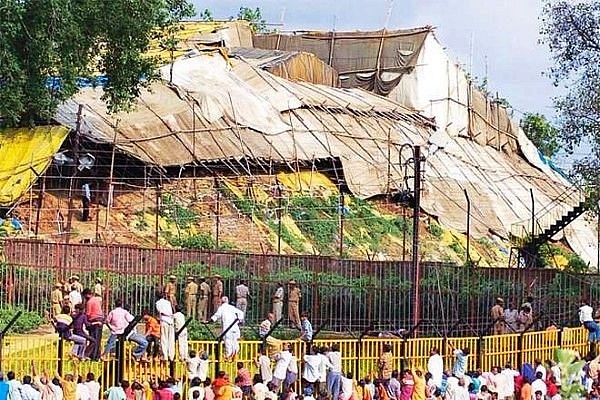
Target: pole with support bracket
218, 349
120, 349
10, 323
177, 334
273, 327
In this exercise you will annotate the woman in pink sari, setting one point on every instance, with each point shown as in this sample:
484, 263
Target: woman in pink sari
407, 385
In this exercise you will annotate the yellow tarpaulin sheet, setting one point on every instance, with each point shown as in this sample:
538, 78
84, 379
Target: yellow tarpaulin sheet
24, 155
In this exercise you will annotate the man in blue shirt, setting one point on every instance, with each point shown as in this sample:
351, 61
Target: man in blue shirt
306, 328
3, 388
461, 361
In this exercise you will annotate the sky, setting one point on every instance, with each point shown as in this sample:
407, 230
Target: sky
503, 34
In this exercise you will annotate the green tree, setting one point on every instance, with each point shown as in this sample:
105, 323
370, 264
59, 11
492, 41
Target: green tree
539, 130
47, 45
171, 25
206, 15
257, 23
571, 31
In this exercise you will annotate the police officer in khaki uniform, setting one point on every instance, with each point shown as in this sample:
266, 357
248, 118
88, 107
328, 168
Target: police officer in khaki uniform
56, 298
294, 297
171, 290
191, 297
203, 296
217, 292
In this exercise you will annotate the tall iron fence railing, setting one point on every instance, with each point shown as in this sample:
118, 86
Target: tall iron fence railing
340, 294
359, 355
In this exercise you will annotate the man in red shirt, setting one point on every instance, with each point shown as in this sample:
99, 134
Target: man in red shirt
244, 379
95, 317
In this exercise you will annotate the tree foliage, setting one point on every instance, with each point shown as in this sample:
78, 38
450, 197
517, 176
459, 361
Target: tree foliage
46, 46
254, 16
541, 132
571, 29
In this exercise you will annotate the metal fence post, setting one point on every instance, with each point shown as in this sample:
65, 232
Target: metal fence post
120, 350
3, 333
59, 361
479, 359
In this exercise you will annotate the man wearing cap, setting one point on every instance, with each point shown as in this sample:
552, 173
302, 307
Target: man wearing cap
74, 280
293, 304
230, 318
203, 296
241, 296
171, 290
99, 287
56, 298
217, 292
191, 297
497, 316
278, 302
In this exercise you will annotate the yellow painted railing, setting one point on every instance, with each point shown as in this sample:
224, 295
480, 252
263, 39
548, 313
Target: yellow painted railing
358, 355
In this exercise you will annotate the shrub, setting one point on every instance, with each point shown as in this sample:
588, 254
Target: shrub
26, 322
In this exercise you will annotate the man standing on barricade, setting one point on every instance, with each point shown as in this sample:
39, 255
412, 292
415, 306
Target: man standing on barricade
230, 318
95, 318
167, 327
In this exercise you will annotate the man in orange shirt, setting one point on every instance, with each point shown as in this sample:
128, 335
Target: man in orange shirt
152, 334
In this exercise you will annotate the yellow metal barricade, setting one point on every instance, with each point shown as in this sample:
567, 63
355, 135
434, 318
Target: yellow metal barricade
461, 343
576, 339
539, 345
419, 350
358, 357
499, 350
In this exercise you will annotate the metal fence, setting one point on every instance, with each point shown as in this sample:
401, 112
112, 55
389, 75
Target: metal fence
359, 355
342, 294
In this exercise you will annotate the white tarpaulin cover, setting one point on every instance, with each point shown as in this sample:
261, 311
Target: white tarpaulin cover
231, 112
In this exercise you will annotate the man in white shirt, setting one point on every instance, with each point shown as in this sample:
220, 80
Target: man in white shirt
334, 375
540, 367
264, 366
241, 296
435, 366
14, 386
74, 297
167, 327
509, 379
586, 317
27, 390
538, 384
82, 392
182, 339
265, 326
312, 365
93, 386
230, 318
282, 360
278, 301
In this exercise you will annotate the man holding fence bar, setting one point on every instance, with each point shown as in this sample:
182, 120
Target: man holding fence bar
230, 318
164, 309
586, 317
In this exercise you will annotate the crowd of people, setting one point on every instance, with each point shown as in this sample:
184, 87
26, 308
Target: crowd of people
78, 316
318, 374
